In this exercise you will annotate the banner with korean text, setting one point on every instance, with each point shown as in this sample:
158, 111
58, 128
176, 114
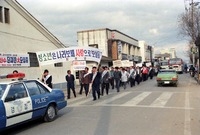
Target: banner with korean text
78, 65
122, 63
14, 60
69, 54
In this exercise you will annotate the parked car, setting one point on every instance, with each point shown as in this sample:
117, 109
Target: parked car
167, 77
25, 100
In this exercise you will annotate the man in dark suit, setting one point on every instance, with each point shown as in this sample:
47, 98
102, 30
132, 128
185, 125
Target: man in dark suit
70, 83
138, 75
96, 80
47, 79
105, 80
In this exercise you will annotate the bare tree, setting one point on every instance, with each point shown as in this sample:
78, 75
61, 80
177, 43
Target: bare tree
189, 25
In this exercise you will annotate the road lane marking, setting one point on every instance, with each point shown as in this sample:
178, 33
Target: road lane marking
139, 106
187, 127
135, 100
106, 101
75, 99
162, 100
87, 99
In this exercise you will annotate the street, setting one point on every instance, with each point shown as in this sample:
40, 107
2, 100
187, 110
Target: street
142, 110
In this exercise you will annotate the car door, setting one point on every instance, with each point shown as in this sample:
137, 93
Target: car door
40, 97
17, 104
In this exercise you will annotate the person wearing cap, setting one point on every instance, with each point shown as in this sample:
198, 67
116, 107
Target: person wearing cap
47, 79
96, 80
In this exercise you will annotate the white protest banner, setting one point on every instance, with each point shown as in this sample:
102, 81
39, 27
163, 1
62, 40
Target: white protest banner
14, 60
78, 65
139, 65
69, 54
117, 63
126, 63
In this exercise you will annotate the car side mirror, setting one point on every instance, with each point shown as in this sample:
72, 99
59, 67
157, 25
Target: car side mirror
10, 98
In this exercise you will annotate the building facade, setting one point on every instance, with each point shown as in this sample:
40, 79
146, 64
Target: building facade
170, 51
147, 51
21, 33
114, 44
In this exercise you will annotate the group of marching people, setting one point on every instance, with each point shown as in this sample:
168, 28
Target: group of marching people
103, 78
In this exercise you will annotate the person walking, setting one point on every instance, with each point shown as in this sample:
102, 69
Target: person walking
144, 71
151, 72
111, 79
47, 79
81, 73
132, 76
105, 80
124, 77
86, 80
70, 83
138, 75
96, 80
117, 77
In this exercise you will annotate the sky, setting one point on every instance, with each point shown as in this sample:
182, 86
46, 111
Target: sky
154, 21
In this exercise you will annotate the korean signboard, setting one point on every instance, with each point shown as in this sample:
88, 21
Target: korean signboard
14, 60
79, 65
69, 54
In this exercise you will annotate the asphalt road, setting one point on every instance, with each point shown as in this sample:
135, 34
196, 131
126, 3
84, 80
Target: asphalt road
142, 110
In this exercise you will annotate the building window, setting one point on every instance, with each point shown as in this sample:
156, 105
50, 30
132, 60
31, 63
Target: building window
58, 64
7, 15
93, 45
1, 14
33, 59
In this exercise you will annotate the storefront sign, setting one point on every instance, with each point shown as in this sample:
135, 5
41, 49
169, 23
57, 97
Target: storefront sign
14, 60
69, 54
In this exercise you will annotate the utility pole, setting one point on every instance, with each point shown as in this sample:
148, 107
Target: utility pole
193, 35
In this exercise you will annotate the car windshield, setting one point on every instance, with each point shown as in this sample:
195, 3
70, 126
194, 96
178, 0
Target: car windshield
2, 89
167, 72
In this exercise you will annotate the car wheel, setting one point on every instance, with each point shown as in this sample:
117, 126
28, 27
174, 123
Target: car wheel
175, 85
50, 114
158, 85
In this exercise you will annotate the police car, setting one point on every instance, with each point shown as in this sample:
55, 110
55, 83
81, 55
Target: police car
24, 100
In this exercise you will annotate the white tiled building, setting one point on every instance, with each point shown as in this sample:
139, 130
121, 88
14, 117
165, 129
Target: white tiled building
21, 33
147, 51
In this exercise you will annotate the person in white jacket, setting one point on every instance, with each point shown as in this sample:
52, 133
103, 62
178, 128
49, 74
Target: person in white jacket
124, 77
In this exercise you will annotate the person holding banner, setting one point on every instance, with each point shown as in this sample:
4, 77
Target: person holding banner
96, 80
86, 80
70, 83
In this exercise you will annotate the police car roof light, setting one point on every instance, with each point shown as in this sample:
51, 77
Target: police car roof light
15, 75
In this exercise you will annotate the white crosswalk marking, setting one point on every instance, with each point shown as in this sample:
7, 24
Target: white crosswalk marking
134, 101
162, 100
87, 99
120, 95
